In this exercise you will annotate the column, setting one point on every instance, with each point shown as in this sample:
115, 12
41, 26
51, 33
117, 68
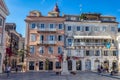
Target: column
73, 65
44, 65
27, 65
83, 64
54, 65
92, 65
110, 65
37, 65
118, 53
1, 59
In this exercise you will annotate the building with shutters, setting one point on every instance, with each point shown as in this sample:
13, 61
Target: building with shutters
14, 43
44, 40
3, 13
91, 41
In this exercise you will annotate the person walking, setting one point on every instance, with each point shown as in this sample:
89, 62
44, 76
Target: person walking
99, 69
16, 69
8, 70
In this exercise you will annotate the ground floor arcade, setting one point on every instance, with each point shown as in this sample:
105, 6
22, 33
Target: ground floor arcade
91, 64
84, 64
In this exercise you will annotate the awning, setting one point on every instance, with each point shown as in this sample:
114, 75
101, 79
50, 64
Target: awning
93, 37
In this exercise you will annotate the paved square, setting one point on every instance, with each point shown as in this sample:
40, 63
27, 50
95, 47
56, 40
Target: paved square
53, 76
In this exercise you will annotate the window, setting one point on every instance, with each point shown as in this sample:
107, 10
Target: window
103, 28
42, 26
41, 50
87, 53
97, 53
113, 29
51, 26
73, 18
60, 50
33, 25
32, 49
41, 65
60, 38
41, 37
50, 49
60, 26
51, 38
69, 28
78, 28
96, 28
32, 37
105, 53
58, 65
87, 28
114, 53
69, 42
31, 65
0, 22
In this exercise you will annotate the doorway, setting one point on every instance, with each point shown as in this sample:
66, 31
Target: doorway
69, 64
78, 65
96, 63
88, 65
31, 65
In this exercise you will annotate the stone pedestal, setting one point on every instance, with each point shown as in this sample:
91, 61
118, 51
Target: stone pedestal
65, 68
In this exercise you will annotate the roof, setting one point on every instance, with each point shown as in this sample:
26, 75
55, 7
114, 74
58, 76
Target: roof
4, 7
109, 16
45, 18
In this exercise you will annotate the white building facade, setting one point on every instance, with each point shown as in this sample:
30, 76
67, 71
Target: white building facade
91, 41
3, 13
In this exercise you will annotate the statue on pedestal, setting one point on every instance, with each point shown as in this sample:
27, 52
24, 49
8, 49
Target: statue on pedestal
65, 64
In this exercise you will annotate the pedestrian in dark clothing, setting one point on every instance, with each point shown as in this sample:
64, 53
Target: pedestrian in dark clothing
16, 69
99, 69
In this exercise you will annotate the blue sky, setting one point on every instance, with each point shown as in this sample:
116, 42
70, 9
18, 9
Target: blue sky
19, 9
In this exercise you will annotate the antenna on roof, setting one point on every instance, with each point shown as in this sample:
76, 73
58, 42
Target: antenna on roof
80, 8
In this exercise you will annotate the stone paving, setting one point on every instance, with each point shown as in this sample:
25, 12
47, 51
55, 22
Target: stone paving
53, 76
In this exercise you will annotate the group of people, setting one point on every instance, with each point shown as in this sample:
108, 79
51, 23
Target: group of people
103, 69
106, 69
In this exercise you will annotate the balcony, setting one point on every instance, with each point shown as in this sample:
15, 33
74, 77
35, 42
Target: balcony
88, 44
46, 42
47, 30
